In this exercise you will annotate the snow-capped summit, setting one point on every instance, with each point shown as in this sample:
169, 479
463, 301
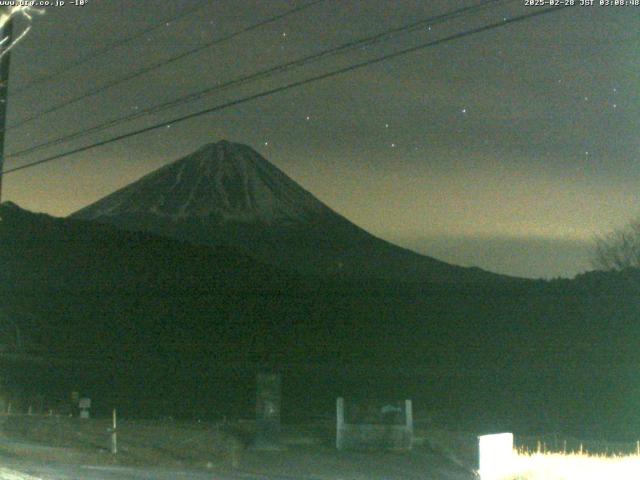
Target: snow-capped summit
227, 194
222, 181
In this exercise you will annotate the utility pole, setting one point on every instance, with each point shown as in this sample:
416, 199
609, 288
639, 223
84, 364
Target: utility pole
6, 35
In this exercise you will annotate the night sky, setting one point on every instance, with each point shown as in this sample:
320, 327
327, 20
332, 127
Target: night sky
509, 149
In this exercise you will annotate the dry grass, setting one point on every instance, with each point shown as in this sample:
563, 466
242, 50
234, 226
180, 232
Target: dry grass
573, 466
462, 449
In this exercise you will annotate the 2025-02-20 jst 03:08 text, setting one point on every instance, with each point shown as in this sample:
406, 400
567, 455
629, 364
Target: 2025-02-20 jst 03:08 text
582, 3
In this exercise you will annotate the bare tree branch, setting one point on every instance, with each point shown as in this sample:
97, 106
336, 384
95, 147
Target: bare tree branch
619, 249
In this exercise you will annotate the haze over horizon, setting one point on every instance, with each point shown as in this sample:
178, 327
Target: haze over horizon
501, 150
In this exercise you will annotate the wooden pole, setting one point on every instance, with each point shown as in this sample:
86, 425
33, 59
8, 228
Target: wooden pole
408, 410
6, 33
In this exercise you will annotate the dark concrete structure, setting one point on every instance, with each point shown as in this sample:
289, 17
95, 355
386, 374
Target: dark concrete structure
374, 425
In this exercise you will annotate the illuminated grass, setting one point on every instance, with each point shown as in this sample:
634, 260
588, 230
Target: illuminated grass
574, 466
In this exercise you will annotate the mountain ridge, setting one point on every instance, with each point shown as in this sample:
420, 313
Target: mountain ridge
228, 194
41, 252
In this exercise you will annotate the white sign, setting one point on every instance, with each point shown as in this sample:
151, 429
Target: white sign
496, 456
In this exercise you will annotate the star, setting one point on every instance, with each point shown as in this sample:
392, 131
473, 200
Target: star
307, 118
266, 144
464, 110
393, 145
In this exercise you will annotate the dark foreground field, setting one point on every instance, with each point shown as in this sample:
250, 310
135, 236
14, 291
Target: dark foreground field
63, 447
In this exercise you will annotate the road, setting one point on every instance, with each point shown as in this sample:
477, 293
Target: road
23, 471
20, 470
291, 464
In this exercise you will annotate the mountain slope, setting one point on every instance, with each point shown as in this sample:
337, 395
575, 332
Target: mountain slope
227, 194
41, 253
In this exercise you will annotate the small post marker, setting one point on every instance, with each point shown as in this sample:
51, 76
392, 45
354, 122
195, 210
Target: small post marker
114, 434
340, 423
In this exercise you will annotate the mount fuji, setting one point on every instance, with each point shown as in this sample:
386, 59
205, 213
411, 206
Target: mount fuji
228, 194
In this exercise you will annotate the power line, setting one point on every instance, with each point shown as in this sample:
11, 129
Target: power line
109, 48
163, 63
292, 85
264, 74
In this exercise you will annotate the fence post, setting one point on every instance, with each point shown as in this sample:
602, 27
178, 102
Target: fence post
114, 434
408, 409
339, 423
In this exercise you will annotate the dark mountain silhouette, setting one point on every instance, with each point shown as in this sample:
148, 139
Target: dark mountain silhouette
159, 326
227, 194
42, 253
